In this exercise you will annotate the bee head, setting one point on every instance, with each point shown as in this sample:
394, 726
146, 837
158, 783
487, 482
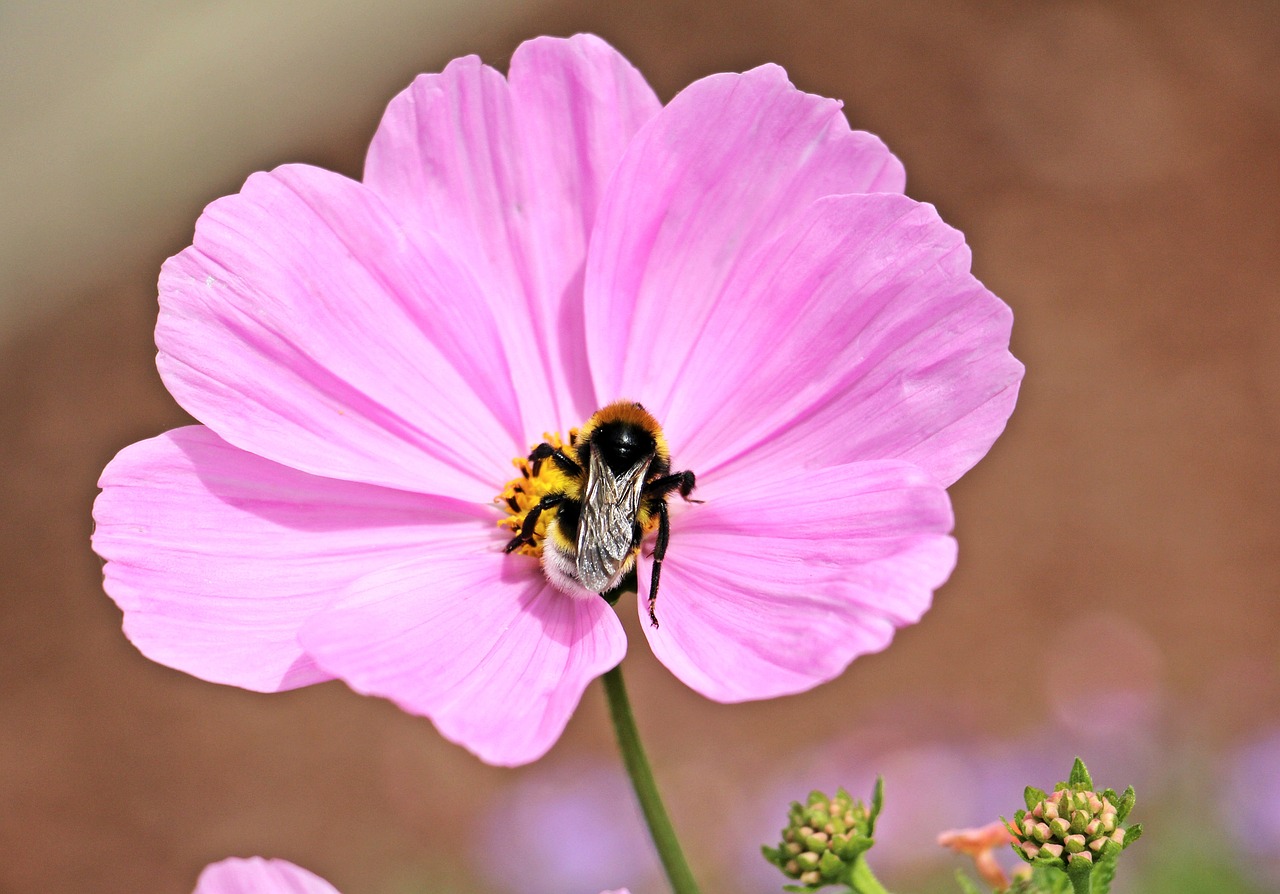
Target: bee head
623, 444
625, 434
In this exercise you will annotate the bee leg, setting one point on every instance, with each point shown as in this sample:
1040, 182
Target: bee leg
659, 551
684, 482
558, 456
531, 521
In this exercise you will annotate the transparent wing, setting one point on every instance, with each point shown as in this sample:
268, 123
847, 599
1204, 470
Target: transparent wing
609, 507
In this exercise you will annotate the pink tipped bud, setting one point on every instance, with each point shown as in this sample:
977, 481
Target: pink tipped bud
1075, 843
1053, 849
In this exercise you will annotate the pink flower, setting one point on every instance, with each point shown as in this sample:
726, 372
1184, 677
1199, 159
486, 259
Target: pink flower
367, 358
256, 875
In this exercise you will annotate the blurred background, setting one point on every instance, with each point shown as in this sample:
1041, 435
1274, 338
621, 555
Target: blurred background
1116, 168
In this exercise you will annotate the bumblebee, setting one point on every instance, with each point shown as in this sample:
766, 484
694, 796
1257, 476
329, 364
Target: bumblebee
612, 489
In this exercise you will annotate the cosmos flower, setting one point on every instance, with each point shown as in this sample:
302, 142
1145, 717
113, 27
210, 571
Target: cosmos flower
367, 359
256, 875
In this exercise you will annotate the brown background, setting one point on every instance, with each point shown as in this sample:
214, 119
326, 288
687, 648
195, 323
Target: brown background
1116, 168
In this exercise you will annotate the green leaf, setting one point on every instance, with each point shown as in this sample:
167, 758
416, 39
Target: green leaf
1080, 872
1080, 775
860, 844
1132, 834
830, 865
1032, 796
965, 884
1103, 872
877, 803
1125, 804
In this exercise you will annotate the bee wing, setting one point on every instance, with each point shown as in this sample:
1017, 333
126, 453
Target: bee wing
609, 507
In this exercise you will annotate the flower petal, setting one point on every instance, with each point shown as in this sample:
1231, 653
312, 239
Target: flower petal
859, 334
508, 174
477, 641
217, 556
776, 583
256, 875
302, 326
728, 165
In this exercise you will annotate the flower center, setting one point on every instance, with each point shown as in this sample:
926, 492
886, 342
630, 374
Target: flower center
537, 479
584, 505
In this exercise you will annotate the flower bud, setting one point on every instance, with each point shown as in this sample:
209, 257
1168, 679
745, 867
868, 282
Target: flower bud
1074, 826
824, 837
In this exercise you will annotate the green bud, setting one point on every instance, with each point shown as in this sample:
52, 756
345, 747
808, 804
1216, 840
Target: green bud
808, 860
817, 841
824, 838
1073, 828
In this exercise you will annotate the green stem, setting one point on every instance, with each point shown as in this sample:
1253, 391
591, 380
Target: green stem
1081, 883
664, 836
862, 880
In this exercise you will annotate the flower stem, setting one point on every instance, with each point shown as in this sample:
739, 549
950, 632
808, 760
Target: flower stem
664, 836
862, 880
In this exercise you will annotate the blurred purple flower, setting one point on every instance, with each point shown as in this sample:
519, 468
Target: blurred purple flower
1250, 803
563, 828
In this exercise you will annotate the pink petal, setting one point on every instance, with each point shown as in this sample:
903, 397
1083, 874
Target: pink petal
508, 175
777, 582
729, 164
859, 334
217, 556
477, 641
302, 326
256, 875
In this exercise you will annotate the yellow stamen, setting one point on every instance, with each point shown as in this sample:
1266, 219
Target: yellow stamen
524, 491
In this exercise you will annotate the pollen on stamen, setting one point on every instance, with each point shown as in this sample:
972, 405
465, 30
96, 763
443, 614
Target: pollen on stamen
522, 493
